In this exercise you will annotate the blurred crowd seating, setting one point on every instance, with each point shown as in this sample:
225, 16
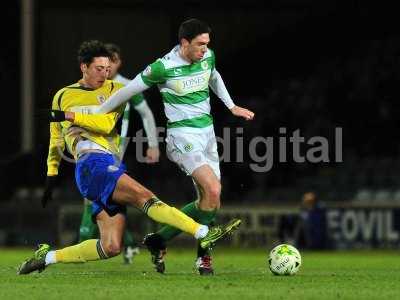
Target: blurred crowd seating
356, 90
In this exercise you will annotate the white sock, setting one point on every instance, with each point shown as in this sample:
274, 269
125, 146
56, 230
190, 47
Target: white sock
201, 232
50, 258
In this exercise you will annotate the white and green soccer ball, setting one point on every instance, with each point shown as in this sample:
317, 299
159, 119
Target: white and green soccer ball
284, 259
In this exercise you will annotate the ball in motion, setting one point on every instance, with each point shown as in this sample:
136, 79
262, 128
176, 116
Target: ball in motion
284, 259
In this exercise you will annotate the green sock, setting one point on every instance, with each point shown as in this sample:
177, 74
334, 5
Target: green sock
203, 217
87, 230
129, 240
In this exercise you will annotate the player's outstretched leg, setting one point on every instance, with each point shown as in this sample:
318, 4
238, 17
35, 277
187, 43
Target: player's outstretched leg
218, 232
89, 250
111, 230
192, 210
166, 233
156, 246
129, 191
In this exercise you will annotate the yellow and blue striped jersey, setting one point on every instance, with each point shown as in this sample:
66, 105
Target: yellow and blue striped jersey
99, 129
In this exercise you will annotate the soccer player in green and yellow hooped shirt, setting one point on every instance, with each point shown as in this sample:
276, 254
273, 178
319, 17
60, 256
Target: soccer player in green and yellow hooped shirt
93, 141
183, 77
88, 229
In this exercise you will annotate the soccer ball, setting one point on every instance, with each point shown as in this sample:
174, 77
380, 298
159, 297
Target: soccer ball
284, 260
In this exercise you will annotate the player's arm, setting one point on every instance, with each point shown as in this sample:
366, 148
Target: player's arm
149, 125
125, 121
56, 143
99, 123
140, 105
102, 124
123, 142
135, 100
153, 74
217, 85
56, 149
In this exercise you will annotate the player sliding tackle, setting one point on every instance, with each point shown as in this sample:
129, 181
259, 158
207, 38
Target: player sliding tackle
183, 77
93, 141
88, 229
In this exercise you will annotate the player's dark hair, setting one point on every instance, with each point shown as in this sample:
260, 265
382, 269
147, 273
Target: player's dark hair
191, 28
88, 50
113, 49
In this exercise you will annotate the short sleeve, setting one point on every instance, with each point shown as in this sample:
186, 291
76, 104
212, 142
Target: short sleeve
154, 73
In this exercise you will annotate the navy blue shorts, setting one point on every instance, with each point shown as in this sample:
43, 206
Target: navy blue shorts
96, 175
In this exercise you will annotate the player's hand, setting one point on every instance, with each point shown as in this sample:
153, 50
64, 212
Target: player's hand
242, 112
51, 115
152, 155
48, 190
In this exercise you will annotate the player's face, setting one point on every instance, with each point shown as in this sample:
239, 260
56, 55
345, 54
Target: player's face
115, 64
198, 47
95, 74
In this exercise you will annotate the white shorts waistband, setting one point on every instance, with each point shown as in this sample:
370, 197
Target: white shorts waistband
87, 145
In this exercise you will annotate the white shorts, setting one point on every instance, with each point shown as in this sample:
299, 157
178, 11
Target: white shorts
192, 148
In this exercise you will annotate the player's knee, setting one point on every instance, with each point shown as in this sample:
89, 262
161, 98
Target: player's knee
145, 195
140, 197
113, 248
213, 192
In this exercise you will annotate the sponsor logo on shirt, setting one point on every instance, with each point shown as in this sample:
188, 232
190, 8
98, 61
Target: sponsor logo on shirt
184, 85
194, 82
101, 99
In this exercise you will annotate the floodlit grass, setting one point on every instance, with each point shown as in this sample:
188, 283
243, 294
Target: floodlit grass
240, 274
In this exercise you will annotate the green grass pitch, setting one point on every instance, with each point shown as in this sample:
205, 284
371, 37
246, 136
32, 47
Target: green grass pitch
240, 274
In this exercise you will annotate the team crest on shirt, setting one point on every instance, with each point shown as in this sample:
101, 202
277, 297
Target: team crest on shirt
204, 65
188, 147
101, 99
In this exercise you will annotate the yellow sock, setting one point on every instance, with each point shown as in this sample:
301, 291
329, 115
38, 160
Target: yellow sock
83, 252
163, 213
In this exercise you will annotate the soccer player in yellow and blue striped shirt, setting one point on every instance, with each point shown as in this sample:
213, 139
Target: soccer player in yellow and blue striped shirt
100, 176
